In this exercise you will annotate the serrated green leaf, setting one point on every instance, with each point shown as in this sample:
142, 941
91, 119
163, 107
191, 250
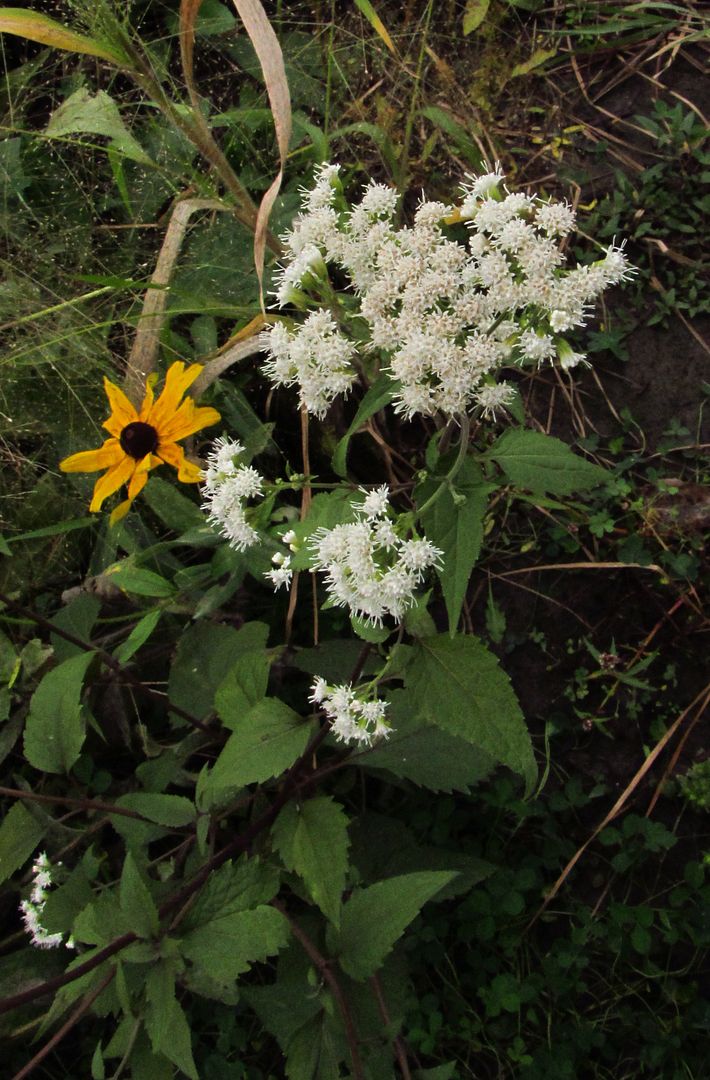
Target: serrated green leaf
474, 14
229, 944
96, 114
174, 811
205, 654
455, 525
380, 394
374, 919
542, 463
419, 751
312, 840
234, 887
55, 728
20, 834
457, 684
136, 902
244, 686
267, 740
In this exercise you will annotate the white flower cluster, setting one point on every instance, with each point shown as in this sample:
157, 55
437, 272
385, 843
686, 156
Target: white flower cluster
226, 488
448, 316
33, 908
355, 720
315, 357
369, 568
282, 571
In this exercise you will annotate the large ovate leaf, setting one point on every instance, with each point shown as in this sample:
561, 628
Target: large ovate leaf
419, 751
46, 31
458, 685
174, 811
166, 1022
229, 944
265, 742
244, 686
374, 919
541, 463
234, 887
136, 902
55, 728
454, 523
205, 654
312, 840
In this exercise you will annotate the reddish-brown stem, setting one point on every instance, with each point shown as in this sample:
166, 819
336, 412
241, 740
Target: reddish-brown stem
67, 800
324, 969
399, 1049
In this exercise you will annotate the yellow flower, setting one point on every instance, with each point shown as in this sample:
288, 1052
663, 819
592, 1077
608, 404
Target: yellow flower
143, 439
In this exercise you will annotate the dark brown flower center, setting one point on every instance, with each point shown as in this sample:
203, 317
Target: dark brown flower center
139, 439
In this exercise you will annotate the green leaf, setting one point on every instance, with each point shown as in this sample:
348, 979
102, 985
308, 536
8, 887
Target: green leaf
541, 463
458, 685
136, 579
205, 654
474, 14
379, 395
326, 511
37, 27
96, 115
455, 524
172, 507
423, 753
376, 23
138, 636
244, 686
232, 888
136, 902
268, 739
365, 630
174, 811
55, 728
165, 1020
538, 58
495, 619
312, 840
229, 944
374, 919
20, 834
76, 618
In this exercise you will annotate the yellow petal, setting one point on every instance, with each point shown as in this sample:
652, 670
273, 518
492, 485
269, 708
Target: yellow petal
112, 481
120, 511
147, 403
138, 482
92, 460
177, 381
122, 410
188, 420
174, 455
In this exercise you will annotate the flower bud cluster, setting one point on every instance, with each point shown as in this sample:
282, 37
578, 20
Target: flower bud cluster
447, 316
33, 908
369, 568
354, 719
282, 572
227, 486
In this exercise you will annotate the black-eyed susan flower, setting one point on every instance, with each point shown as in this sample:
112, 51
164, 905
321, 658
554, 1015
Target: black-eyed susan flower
141, 439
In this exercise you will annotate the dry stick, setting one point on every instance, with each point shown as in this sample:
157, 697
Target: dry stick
582, 566
106, 657
676, 754
144, 354
324, 969
397, 1043
242, 345
83, 1006
704, 697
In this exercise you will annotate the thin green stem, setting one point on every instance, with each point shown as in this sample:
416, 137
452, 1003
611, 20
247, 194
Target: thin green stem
446, 483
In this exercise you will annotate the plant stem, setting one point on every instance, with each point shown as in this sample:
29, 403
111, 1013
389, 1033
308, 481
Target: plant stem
448, 479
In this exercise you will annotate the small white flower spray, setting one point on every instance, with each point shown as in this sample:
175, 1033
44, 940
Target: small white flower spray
227, 488
33, 909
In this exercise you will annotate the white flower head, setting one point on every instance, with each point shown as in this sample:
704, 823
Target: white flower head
492, 399
355, 718
32, 909
227, 487
316, 357
367, 567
